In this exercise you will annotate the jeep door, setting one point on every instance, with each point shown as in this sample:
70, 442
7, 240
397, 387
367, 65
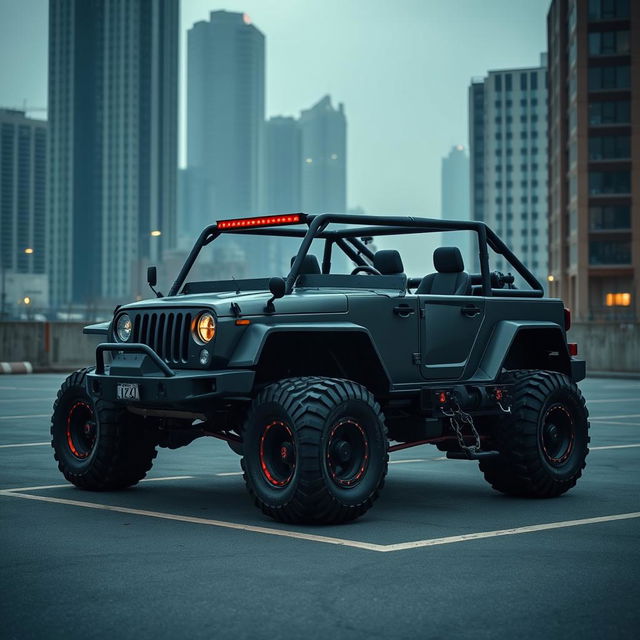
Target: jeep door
449, 327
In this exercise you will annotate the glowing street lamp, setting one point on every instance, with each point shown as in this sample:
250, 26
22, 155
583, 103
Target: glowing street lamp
26, 300
156, 232
28, 250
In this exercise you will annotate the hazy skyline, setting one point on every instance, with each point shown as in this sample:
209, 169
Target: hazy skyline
401, 68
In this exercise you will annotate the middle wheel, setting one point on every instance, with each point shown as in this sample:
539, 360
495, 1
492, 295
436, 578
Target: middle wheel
315, 450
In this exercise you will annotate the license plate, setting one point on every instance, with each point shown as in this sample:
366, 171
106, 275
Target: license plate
126, 391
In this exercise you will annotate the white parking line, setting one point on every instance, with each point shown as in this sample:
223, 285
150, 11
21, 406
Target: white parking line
18, 400
614, 446
384, 548
627, 415
24, 444
624, 424
68, 484
229, 473
35, 415
599, 401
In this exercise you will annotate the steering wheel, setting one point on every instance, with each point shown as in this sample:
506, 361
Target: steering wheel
365, 268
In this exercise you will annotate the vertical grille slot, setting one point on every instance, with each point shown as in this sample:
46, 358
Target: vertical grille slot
167, 338
159, 348
184, 339
176, 339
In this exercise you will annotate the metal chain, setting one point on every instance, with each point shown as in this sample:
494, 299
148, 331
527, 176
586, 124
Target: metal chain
465, 418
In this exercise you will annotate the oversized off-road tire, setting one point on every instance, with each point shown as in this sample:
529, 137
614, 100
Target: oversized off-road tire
543, 442
97, 447
315, 450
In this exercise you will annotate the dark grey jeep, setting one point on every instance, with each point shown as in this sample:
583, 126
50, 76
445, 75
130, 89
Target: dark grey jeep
309, 377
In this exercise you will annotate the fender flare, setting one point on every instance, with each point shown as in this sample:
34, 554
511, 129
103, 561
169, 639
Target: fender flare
249, 349
504, 335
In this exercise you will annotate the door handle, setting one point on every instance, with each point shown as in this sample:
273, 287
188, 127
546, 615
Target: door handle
470, 310
403, 310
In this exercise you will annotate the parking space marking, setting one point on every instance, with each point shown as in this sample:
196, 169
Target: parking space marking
24, 444
403, 546
228, 473
614, 446
67, 484
624, 424
627, 415
35, 415
284, 533
601, 400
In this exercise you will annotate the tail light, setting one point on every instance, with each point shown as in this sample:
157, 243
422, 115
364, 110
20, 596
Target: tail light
573, 348
567, 319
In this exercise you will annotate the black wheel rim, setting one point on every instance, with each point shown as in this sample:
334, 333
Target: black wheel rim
347, 453
81, 429
277, 454
557, 434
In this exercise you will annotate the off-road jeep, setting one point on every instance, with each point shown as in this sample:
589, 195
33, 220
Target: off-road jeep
309, 377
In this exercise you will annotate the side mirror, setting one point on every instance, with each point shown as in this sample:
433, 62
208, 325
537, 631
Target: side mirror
152, 276
152, 280
277, 286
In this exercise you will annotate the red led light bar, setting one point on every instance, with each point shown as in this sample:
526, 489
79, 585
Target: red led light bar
264, 221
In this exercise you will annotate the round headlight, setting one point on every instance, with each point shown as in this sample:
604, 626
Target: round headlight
123, 328
206, 327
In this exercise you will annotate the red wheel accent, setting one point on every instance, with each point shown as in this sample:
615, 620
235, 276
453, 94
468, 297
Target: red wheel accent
80, 430
277, 454
347, 467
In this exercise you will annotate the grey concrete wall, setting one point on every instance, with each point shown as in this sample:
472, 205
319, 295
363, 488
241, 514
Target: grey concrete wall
47, 345
608, 347
63, 346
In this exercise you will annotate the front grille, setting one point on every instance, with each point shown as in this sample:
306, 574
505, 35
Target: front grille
167, 333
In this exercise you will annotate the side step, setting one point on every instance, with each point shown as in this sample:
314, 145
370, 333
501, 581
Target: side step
467, 455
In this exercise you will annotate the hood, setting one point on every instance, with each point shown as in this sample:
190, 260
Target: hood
251, 303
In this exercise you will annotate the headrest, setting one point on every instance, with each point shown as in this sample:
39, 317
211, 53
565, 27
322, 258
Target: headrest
309, 264
448, 260
388, 262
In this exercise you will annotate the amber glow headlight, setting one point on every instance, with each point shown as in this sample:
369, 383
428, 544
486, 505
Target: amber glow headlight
205, 328
123, 328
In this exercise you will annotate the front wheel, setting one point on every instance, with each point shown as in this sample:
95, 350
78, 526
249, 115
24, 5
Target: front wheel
315, 450
543, 442
96, 446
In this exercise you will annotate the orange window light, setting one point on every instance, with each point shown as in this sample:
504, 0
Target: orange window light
618, 300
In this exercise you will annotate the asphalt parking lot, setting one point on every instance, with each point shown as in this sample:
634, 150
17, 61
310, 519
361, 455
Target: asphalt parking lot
441, 555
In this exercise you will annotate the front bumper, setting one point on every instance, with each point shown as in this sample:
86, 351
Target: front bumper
158, 385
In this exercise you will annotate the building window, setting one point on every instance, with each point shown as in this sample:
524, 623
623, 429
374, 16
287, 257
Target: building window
610, 217
497, 83
609, 147
609, 182
602, 78
607, 9
523, 81
614, 112
617, 299
602, 43
609, 252
507, 81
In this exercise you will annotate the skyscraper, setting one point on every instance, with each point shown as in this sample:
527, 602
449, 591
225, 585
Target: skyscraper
283, 165
23, 143
455, 201
594, 157
324, 154
507, 117
225, 117
113, 87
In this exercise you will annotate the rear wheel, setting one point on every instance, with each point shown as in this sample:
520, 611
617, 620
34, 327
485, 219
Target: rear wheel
543, 442
97, 446
315, 450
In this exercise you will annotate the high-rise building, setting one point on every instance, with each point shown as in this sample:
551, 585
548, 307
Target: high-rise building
594, 157
324, 158
283, 164
509, 183
23, 143
225, 117
455, 201
113, 88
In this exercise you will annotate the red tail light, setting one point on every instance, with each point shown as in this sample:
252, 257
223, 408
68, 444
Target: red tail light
573, 348
567, 319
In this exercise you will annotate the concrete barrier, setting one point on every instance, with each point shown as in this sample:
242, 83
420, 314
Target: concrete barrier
61, 346
48, 346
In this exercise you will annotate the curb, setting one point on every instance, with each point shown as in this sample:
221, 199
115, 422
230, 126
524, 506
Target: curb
15, 367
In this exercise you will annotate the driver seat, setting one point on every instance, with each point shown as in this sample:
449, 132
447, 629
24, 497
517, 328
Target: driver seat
388, 262
451, 278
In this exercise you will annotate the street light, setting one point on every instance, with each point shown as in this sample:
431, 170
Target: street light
551, 278
28, 250
26, 300
156, 232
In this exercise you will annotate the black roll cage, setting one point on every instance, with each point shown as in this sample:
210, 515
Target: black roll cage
348, 239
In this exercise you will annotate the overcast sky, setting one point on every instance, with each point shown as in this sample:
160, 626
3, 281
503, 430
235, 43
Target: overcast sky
402, 68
